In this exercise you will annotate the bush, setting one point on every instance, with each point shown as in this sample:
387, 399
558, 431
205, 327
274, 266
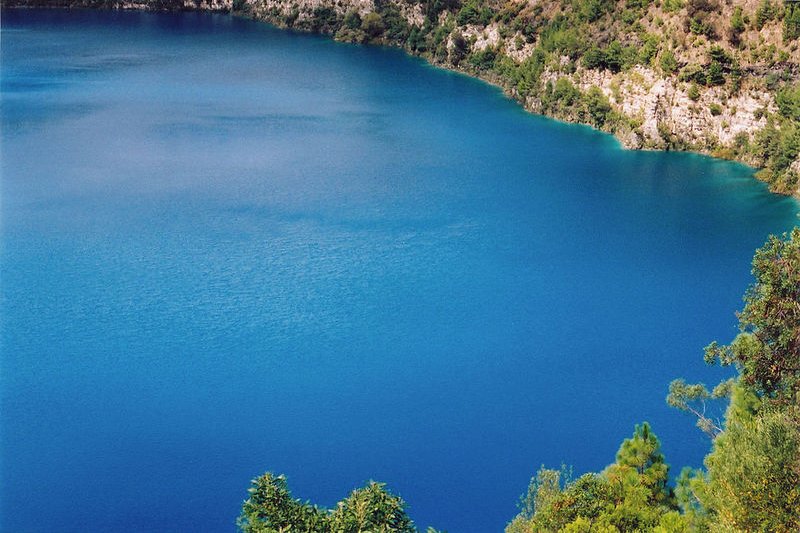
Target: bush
483, 59
352, 20
787, 99
693, 93
737, 26
715, 74
791, 23
372, 25
597, 106
565, 93
765, 12
460, 48
474, 13
324, 20
668, 62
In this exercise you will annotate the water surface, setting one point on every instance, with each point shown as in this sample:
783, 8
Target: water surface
228, 248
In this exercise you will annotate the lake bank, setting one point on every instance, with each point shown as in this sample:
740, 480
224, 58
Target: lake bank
642, 106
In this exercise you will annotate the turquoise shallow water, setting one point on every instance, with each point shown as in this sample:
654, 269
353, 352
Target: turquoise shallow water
228, 248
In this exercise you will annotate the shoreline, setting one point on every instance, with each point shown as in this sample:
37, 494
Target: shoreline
625, 139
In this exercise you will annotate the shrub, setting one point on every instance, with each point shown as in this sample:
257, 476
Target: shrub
715, 75
693, 93
372, 25
668, 62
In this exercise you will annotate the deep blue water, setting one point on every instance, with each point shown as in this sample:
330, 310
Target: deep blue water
228, 249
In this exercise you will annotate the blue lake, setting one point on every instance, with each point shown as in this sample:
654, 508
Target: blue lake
228, 249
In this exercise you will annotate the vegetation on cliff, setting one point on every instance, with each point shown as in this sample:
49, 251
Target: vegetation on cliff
751, 479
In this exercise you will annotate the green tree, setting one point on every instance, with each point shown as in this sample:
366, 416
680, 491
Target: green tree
597, 106
765, 12
715, 74
615, 59
270, 508
372, 25
352, 20
629, 495
695, 399
694, 92
543, 490
460, 48
753, 480
642, 452
371, 509
767, 351
668, 62
791, 23
737, 26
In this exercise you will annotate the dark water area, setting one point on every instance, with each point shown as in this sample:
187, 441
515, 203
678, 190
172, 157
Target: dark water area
227, 249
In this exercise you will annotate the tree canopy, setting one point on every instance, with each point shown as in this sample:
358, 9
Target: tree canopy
271, 508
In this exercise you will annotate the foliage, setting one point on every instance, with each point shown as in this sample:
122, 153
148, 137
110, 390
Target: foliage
668, 62
396, 27
791, 23
474, 12
715, 75
766, 11
597, 106
543, 490
752, 476
270, 508
767, 352
372, 25
371, 508
324, 20
629, 495
694, 92
352, 20
787, 99
483, 59
460, 48
695, 399
530, 72
614, 57
753, 481
737, 26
